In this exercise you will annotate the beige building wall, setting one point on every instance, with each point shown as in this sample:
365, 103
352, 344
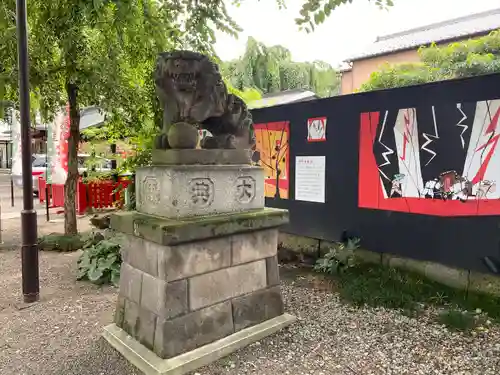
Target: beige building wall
362, 69
346, 80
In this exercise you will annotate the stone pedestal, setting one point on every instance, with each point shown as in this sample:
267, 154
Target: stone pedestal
199, 277
193, 190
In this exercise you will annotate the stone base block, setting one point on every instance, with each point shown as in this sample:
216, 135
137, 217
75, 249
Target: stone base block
165, 231
197, 190
151, 364
177, 297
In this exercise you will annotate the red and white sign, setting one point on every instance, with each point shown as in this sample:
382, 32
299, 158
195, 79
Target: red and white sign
63, 145
57, 148
316, 129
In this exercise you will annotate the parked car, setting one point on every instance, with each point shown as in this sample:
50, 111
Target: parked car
39, 168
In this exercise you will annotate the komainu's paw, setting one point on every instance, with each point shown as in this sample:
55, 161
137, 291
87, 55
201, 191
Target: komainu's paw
229, 142
209, 143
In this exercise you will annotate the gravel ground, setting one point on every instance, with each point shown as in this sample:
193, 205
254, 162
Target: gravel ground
61, 334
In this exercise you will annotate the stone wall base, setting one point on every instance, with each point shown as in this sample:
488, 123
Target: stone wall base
151, 364
453, 277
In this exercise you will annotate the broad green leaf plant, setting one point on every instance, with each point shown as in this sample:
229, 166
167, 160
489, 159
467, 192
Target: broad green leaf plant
100, 263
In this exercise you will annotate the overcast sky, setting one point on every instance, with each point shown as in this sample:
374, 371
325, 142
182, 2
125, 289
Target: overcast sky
347, 31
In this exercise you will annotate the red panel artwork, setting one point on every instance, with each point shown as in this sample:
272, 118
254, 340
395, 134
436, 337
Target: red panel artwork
432, 160
272, 145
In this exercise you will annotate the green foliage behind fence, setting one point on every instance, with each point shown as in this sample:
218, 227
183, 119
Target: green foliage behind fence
456, 60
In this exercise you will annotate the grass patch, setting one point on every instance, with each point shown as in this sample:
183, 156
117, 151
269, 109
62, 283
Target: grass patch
377, 285
60, 242
459, 320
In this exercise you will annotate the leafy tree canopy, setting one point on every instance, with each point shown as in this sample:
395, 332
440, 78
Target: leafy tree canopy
271, 69
457, 60
101, 53
106, 48
315, 12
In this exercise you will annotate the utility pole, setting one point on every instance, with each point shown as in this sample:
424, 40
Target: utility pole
29, 248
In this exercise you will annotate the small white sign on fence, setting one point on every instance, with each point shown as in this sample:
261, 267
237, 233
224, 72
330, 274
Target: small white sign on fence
310, 178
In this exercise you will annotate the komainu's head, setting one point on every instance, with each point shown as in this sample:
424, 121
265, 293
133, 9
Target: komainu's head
183, 69
192, 80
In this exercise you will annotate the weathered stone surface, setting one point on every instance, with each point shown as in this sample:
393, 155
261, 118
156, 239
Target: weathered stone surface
298, 243
130, 282
178, 261
449, 276
164, 299
288, 256
256, 245
146, 329
213, 287
196, 190
256, 307
193, 330
200, 156
100, 221
131, 318
141, 254
484, 283
175, 231
453, 277
185, 260
273, 273
366, 256
119, 311
188, 363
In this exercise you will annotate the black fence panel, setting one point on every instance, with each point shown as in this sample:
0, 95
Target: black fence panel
411, 171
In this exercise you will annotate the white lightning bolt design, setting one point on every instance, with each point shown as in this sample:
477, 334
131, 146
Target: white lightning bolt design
389, 150
460, 125
429, 136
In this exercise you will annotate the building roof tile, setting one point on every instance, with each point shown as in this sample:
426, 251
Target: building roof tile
453, 29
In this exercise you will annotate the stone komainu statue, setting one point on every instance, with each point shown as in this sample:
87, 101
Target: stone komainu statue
194, 96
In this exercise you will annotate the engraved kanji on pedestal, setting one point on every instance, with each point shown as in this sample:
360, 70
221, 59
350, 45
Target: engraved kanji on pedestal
245, 189
201, 191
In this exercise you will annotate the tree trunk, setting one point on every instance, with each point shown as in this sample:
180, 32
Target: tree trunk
70, 225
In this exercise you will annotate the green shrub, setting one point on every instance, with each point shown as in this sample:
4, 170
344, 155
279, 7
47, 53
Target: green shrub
100, 263
339, 258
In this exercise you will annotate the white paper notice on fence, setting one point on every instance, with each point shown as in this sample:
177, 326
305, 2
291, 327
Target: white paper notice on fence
310, 178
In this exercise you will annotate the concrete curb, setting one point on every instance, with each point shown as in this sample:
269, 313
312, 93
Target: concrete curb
149, 363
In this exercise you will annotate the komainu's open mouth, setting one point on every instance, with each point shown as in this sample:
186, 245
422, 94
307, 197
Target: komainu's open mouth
183, 78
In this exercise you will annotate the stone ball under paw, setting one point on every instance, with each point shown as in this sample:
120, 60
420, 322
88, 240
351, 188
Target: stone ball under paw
183, 135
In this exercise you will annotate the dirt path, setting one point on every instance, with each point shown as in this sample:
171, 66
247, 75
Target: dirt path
61, 334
